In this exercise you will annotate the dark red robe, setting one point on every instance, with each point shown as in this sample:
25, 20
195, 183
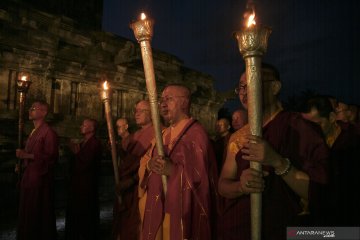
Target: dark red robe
82, 213
36, 211
300, 141
126, 223
342, 198
220, 147
190, 189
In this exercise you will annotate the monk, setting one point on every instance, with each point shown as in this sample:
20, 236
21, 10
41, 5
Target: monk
340, 199
122, 126
294, 156
239, 119
126, 223
186, 210
36, 210
221, 140
82, 215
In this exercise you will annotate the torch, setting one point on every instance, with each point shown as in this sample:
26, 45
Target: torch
23, 85
143, 31
105, 95
252, 41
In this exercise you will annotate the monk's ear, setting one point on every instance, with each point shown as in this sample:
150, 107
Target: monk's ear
276, 86
184, 103
332, 117
126, 126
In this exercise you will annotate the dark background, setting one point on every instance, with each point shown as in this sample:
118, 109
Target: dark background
315, 43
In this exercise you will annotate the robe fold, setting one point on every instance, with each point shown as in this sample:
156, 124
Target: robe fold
82, 215
187, 207
36, 208
302, 143
126, 223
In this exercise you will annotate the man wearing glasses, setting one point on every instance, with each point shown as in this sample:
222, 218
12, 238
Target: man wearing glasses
190, 167
294, 156
126, 222
36, 210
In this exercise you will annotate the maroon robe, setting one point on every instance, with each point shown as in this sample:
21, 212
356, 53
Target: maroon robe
126, 223
300, 141
220, 147
82, 215
36, 210
342, 199
191, 187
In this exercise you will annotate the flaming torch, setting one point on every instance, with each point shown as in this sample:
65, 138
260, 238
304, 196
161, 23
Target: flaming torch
252, 41
143, 31
105, 95
23, 85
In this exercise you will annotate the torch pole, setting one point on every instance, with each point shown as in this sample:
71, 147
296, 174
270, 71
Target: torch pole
253, 44
23, 85
105, 96
22, 99
143, 31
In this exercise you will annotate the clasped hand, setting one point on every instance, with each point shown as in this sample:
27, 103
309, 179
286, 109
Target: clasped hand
74, 147
160, 165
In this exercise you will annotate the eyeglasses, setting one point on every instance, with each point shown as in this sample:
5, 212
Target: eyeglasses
33, 109
243, 87
136, 111
168, 99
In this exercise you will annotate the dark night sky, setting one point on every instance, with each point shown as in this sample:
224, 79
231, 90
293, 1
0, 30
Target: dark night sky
315, 43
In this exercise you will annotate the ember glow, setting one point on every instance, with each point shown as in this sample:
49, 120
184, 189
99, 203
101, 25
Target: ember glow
251, 21
105, 85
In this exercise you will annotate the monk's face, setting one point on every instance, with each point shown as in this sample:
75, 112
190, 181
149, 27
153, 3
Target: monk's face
270, 90
142, 113
87, 127
37, 111
222, 126
242, 90
172, 103
121, 126
342, 112
239, 119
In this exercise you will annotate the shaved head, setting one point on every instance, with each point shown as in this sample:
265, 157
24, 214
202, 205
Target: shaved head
175, 103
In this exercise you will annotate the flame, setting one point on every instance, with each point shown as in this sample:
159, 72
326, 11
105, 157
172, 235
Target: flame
251, 21
23, 78
105, 85
142, 16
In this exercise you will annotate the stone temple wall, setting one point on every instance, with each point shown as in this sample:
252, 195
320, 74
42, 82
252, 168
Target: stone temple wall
66, 64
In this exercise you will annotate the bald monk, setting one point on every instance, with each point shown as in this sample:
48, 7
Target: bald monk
190, 168
36, 207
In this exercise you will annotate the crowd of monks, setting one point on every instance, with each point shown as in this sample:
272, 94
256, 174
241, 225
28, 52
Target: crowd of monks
309, 157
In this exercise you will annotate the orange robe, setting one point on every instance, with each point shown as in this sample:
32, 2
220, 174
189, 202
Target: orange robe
187, 207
